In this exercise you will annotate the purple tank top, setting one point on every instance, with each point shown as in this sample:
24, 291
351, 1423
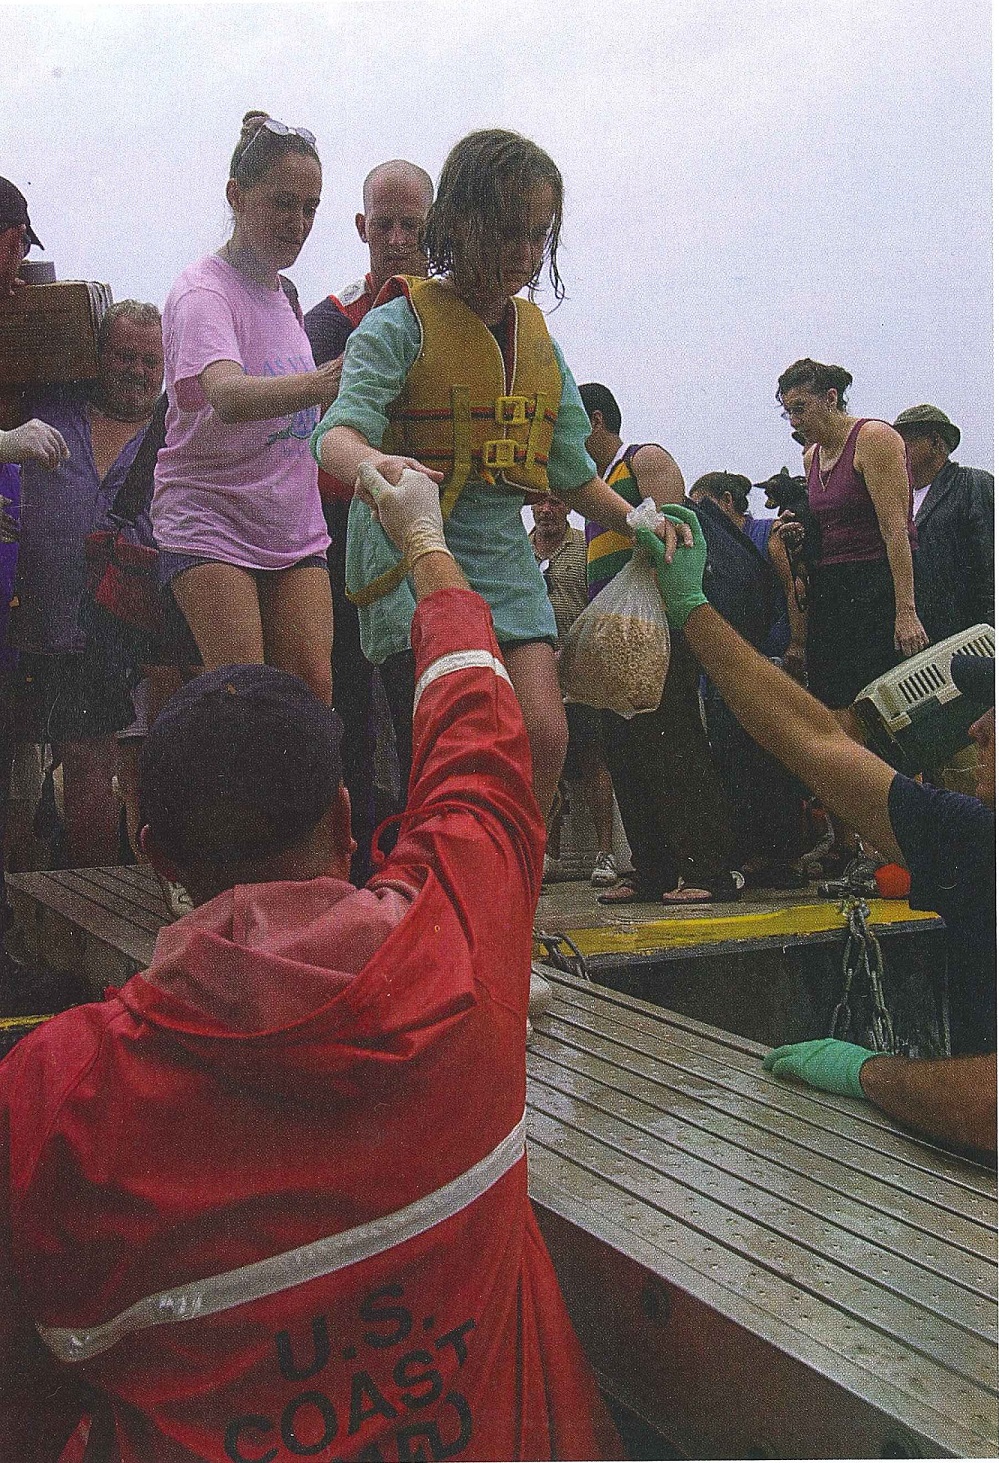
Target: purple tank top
844, 508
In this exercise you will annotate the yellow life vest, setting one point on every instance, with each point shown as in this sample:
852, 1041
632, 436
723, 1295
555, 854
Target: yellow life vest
454, 412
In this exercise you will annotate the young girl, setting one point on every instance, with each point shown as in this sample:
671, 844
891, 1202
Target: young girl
454, 375
236, 510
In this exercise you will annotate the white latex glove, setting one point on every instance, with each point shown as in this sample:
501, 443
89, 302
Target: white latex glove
35, 441
409, 511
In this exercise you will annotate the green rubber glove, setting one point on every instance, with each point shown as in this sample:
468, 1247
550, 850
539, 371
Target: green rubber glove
830, 1065
680, 582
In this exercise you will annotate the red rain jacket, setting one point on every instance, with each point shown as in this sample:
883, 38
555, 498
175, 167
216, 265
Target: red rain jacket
270, 1200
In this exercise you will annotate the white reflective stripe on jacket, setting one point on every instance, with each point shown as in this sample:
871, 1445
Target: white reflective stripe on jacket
459, 660
295, 1267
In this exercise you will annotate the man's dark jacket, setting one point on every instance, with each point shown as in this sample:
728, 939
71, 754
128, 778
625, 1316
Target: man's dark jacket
739, 582
955, 579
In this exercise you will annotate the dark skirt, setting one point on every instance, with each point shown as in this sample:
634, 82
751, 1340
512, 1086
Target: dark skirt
851, 629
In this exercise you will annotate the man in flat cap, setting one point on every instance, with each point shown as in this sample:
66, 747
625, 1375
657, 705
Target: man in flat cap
953, 508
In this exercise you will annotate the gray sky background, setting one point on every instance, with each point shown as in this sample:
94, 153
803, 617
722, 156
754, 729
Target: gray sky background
747, 181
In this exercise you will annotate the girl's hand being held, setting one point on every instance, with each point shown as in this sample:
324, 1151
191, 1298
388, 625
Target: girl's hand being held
392, 469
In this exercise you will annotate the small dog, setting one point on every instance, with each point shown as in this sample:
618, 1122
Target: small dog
789, 495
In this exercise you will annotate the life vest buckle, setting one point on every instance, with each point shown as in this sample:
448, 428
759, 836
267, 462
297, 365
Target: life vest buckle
511, 411
499, 452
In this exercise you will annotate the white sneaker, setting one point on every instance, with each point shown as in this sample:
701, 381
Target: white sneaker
176, 898
604, 871
552, 870
541, 995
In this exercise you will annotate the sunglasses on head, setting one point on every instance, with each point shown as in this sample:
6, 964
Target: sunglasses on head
279, 129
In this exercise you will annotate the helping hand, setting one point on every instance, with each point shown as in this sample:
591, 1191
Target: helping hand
408, 509
328, 383
35, 441
828, 1064
680, 577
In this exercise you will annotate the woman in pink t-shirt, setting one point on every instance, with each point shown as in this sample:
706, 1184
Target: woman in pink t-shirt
236, 510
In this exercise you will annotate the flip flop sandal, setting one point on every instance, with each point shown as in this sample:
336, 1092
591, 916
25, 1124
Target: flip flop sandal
724, 889
628, 892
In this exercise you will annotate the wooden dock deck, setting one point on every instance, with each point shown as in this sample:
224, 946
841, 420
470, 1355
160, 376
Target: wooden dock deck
756, 1270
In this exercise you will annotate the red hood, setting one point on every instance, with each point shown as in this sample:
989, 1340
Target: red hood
297, 988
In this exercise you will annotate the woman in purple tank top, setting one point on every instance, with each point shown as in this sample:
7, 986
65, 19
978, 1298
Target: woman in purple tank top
862, 611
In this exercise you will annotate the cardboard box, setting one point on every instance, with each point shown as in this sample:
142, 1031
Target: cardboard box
48, 332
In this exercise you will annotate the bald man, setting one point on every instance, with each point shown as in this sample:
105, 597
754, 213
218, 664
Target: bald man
396, 199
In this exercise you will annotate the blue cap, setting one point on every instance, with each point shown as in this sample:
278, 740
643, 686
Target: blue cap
240, 764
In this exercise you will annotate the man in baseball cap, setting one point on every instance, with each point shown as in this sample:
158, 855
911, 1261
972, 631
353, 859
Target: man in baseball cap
311, 1102
953, 512
241, 765
16, 235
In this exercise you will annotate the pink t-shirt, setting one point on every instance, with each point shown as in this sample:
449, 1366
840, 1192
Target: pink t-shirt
243, 493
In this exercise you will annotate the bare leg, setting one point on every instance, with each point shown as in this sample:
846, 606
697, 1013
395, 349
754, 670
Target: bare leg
91, 810
535, 680
220, 604
296, 609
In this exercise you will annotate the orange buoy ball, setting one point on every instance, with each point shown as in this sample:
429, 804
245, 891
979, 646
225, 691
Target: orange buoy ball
893, 881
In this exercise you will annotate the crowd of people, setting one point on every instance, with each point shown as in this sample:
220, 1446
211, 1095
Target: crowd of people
281, 1262
257, 556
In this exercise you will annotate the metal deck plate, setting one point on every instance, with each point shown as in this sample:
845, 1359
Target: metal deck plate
755, 1268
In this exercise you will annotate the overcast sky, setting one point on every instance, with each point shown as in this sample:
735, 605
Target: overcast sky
747, 181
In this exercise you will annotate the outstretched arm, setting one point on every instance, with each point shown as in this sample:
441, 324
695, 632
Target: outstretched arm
236, 397
777, 713
953, 1099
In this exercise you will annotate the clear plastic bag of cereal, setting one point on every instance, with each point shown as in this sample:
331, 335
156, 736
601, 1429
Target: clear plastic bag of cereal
616, 654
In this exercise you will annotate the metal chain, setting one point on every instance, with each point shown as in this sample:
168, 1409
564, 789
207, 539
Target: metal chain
863, 960
572, 964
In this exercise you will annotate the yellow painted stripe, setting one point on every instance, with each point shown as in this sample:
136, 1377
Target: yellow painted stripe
647, 936
10, 1023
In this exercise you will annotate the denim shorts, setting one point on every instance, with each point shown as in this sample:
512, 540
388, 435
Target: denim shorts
70, 697
171, 564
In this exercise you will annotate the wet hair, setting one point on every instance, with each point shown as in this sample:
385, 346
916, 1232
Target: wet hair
717, 484
134, 310
482, 192
255, 155
816, 378
600, 398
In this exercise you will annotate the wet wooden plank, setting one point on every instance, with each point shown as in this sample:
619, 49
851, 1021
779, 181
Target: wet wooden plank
99, 923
